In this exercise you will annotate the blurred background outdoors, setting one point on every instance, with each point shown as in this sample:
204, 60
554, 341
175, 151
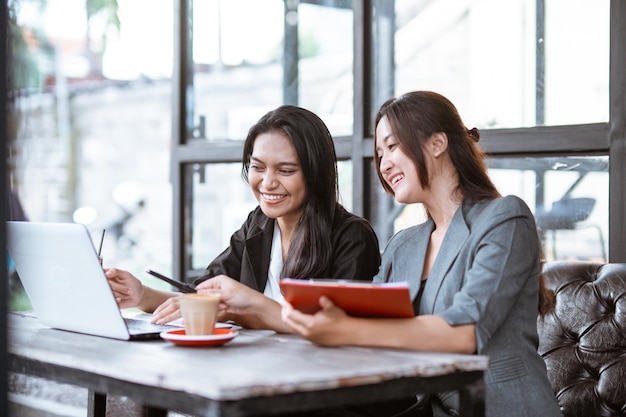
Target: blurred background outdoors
93, 107
92, 121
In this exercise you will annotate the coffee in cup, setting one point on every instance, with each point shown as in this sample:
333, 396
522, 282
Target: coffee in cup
199, 312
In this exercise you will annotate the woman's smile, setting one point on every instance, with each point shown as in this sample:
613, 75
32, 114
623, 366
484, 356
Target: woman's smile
273, 198
394, 179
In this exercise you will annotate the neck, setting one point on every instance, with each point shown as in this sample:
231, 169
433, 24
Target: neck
444, 200
287, 228
442, 213
444, 197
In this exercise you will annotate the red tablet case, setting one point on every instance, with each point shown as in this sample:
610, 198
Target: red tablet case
355, 298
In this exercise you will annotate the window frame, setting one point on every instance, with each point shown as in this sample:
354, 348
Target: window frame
373, 80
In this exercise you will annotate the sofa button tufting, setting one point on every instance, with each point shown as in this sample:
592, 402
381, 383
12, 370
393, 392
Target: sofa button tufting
583, 338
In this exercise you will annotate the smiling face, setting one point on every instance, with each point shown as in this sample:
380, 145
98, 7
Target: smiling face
276, 177
396, 168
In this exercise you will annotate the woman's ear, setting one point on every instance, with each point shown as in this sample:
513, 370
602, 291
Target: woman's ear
438, 144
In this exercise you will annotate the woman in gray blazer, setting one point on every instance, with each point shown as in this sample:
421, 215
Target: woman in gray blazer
473, 266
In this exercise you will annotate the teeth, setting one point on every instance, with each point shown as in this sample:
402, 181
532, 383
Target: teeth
396, 179
273, 196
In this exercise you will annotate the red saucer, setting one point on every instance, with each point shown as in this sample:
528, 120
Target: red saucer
219, 337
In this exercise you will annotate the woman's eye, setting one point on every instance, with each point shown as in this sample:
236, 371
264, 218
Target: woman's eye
256, 167
287, 171
392, 145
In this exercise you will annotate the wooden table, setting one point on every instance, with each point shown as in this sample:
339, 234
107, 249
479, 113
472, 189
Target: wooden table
257, 373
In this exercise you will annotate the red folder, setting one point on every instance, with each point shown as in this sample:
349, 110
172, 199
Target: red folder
355, 298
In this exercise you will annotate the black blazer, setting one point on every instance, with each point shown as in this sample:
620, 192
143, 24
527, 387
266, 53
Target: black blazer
356, 254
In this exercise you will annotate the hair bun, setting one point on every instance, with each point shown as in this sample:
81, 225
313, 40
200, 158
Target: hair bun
473, 134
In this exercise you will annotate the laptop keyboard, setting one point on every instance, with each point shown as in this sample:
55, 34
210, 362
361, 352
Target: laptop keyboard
143, 326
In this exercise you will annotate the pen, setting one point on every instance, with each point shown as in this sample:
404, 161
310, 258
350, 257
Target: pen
100, 248
101, 241
187, 288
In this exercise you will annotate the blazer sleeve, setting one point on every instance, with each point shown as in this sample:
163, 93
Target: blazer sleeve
502, 267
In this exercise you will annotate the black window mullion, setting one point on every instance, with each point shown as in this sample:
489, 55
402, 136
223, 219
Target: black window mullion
617, 134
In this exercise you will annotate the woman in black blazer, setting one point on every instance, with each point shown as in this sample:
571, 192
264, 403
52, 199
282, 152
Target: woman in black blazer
299, 229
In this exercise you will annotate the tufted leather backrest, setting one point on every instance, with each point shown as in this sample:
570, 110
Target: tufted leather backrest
583, 339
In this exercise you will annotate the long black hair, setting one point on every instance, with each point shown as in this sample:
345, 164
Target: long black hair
310, 249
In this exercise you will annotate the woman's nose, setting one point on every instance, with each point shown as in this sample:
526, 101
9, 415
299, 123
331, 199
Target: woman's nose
385, 163
269, 179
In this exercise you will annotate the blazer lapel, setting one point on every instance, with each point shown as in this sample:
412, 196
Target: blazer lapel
453, 242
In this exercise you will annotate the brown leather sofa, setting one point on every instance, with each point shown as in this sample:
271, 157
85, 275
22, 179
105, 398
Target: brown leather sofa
583, 340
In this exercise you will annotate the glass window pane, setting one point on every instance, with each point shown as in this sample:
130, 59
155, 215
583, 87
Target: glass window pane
220, 202
344, 172
238, 65
481, 55
577, 62
91, 140
326, 58
569, 197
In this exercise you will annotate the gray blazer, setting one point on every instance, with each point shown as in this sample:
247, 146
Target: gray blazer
487, 273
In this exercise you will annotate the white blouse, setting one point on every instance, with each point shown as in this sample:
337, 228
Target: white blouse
272, 290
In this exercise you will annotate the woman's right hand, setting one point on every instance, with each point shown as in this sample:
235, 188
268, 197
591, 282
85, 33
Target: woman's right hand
129, 292
127, 289
243, 305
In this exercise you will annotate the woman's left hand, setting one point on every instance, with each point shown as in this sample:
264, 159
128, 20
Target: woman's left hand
327, 327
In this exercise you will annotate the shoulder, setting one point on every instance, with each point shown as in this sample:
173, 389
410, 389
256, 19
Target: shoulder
345, 220
347, 225
497, 209
257, 217
256, 222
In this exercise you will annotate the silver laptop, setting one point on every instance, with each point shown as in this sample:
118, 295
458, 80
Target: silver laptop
59, 268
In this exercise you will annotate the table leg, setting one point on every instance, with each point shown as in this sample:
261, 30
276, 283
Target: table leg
97, 407
96, 404
147, 411
472, 399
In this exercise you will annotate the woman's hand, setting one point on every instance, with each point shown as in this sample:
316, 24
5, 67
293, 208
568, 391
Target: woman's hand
236, 299
331, 326
244, 305
129, 292
168, 311
327, 327
127, 289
